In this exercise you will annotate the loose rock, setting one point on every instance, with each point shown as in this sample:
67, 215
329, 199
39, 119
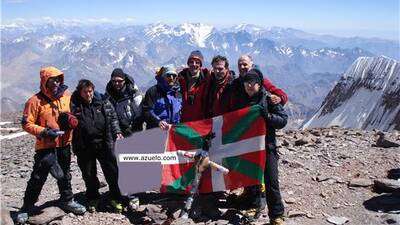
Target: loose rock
337, 220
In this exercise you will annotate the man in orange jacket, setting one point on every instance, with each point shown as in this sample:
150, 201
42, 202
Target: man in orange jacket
46, 117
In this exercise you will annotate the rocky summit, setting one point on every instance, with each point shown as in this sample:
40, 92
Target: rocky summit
328, 176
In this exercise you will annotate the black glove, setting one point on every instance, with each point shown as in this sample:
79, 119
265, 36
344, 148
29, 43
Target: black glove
51, 133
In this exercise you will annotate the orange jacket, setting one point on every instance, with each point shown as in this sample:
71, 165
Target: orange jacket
40, 114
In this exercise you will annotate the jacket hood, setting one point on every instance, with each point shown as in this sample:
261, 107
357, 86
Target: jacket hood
45, 74
165, 87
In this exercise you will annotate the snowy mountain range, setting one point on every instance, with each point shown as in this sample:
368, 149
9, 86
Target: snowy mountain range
305, 65
366, 97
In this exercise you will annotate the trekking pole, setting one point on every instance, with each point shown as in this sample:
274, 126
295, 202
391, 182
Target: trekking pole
202, 162
193, 192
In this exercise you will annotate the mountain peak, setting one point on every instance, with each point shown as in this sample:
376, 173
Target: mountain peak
366, 97
198, 31
247, 27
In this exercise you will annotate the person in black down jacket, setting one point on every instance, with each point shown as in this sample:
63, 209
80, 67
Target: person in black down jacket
93, 140
254, 93
125, 97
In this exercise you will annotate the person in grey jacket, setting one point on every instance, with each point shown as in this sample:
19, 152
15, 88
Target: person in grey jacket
124, 95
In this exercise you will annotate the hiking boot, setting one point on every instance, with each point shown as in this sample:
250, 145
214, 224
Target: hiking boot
195, 212
117, 206
22, 217
213, 214
134, 204
277, 221
208, 204
74, 207
92, 205
252, 214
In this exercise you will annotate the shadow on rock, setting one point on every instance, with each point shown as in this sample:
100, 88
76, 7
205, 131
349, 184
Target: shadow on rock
383, 203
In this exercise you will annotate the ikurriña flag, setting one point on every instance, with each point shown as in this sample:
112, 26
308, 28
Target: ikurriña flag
239, 145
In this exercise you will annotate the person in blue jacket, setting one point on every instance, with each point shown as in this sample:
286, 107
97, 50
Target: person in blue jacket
163, 102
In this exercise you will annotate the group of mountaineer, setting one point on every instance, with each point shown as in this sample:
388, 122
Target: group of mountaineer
91, 122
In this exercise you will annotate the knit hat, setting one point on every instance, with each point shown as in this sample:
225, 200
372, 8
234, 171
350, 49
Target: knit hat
196, 55
118, 72
253, 75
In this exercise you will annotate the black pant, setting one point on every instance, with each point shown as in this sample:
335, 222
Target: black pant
87, 164
273, 194
41, 169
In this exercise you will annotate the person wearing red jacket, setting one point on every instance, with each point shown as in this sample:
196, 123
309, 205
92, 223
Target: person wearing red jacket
217, 99
194, 82
220, 87
245, 63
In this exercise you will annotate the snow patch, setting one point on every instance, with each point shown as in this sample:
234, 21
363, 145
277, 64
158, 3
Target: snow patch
49, 41
197, 32
21, 39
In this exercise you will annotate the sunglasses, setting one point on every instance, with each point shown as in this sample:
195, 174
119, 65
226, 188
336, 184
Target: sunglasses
251, 82
118, 81
54, 79
168, 75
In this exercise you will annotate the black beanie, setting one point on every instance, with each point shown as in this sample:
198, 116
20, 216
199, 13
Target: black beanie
118, 72
253, 75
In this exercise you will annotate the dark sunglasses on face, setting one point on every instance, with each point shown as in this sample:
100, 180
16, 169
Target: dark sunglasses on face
168, 75
118, 81
251, 82
54, 79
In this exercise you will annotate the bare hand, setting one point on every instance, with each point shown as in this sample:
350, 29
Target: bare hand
164, 125
120, 136
275, 99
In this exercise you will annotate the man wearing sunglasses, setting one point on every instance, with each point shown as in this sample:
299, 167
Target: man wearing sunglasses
254, 93
255, 195
123, 93
163, 102
41, 118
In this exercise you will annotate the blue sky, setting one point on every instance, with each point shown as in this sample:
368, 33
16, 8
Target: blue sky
338, 17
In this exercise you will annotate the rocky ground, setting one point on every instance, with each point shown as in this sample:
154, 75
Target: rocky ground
328, 176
